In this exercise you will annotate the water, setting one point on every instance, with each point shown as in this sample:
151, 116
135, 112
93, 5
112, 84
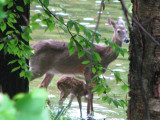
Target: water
86, 11
62, 14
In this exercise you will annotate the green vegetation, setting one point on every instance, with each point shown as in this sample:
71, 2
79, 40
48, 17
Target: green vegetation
75, 17
24, 106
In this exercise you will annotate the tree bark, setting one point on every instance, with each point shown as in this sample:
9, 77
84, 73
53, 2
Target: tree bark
10, 82
144, 76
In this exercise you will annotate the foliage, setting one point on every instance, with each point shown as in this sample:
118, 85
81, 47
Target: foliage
2, 13
24, 106
80, 39
130, 8
11, 43
58, 113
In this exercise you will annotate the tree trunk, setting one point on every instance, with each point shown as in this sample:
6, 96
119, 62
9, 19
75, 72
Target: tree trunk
144, 77
10, 82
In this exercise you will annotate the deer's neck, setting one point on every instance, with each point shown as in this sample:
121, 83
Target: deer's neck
110, 54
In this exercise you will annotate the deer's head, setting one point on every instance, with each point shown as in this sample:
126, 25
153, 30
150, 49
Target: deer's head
120, 30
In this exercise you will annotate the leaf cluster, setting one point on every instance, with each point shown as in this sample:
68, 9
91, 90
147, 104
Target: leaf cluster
24, 106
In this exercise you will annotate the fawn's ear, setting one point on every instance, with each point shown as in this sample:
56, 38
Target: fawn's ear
111, 22
120, 21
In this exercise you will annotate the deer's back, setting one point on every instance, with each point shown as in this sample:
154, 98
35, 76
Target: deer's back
54, 56
76, 86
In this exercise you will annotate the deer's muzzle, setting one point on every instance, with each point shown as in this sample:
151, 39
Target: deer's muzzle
126, 40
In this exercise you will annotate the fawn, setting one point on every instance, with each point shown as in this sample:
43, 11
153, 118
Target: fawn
52, 57
76, 88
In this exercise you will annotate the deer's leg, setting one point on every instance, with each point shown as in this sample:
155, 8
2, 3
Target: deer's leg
71, 99
63, 95
47, 79
60, 102
80, 105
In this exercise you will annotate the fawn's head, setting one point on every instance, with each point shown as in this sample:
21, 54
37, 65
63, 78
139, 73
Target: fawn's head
120, 30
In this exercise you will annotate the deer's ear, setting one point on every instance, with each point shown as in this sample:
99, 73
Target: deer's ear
120, 21
111, 22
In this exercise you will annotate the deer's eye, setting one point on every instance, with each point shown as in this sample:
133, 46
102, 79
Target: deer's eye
118, 31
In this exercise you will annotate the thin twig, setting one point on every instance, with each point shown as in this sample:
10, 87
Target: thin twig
46, 9
120, 78
91, 57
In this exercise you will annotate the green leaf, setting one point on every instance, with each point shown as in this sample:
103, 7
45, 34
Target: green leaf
108, 89
22, 74
96, 88
121, 51
122, 103
3, 26
117, 76
51, 27
76, 28
36, 16
31, 106
16, 68
72, 50
124, 87
9, 32
46, 3
10, 4
97, 56
80, 53
63, 28
86, 62
71, 47
93, 70
100, 90
25, 36
70, 24
87, 33
82, 28
13, 61
104, 98
61, 19
109, 100
26, 1
1, 46
19, 8
10, 25
97, 38
2, 13
7, 108
116, 103
35, 25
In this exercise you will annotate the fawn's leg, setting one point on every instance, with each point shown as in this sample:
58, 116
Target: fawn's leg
63, 95
71, 99
80, 105
47, 79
